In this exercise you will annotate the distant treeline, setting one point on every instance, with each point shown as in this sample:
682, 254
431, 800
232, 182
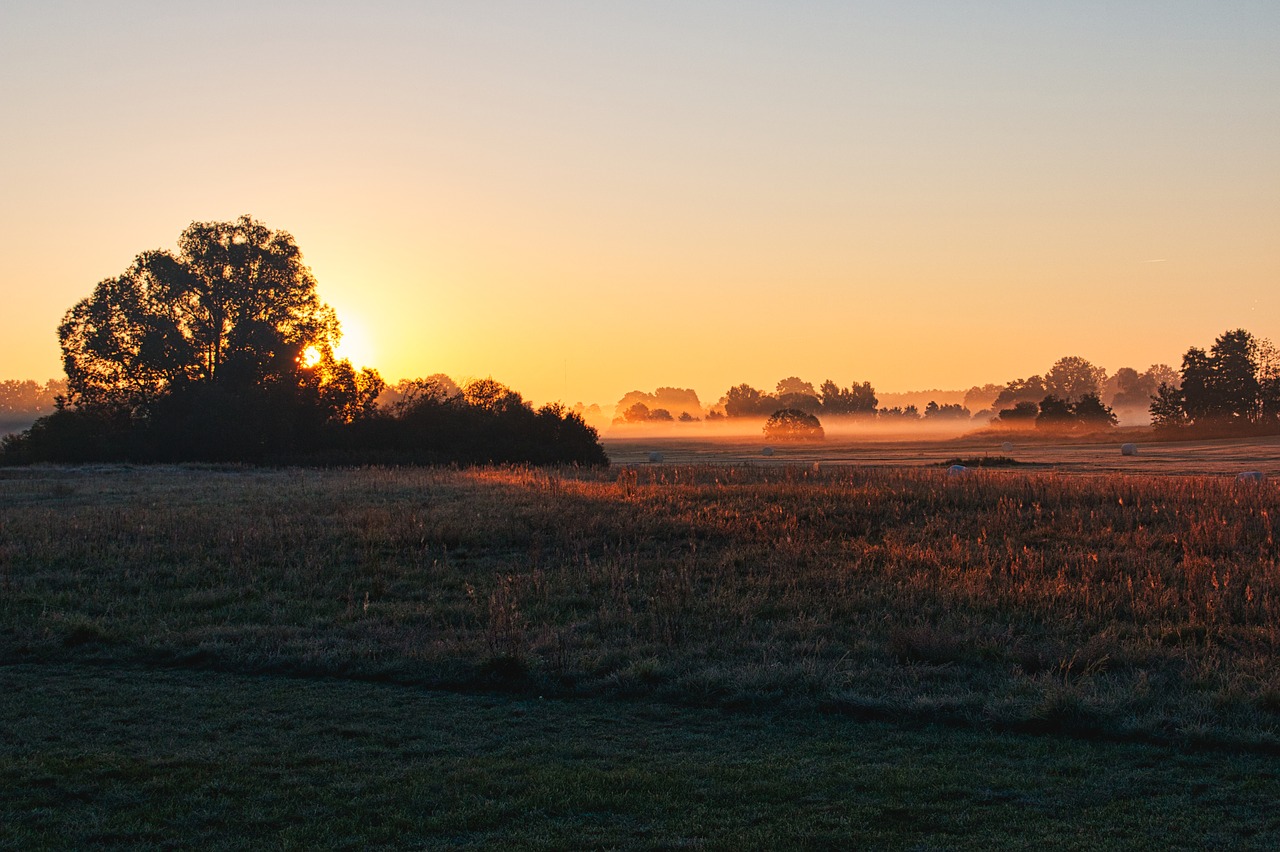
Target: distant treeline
22, 402
1069, 381
223, 352
1233, 387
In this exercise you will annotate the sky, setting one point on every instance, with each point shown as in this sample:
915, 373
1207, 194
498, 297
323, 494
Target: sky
583, 199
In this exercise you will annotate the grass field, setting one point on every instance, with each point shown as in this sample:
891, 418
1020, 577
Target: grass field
884, 656
128, 757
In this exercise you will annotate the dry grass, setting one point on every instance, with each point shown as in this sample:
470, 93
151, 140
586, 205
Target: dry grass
1126, 607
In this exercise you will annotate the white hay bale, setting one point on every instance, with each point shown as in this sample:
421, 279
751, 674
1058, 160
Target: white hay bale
767, 451
1251, 477
957, 470
655, 457
1006, 447
1128, 449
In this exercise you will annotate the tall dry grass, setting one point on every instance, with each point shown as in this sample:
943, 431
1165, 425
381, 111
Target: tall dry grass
1122, 606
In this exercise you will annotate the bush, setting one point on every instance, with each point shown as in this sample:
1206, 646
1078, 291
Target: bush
792, 424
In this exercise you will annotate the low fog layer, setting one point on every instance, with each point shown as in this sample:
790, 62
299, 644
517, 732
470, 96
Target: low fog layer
1072, 395
752, 428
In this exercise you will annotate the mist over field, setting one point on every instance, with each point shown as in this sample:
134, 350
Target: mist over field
740, 428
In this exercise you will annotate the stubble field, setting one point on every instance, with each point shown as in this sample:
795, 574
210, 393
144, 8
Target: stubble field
1127, 621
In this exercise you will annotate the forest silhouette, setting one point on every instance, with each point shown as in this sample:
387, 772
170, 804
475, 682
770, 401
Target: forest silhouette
1231, 389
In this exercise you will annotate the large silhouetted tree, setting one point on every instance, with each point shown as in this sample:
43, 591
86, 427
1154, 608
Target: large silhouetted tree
222, 350
1236, 385
1233, 384
235, 308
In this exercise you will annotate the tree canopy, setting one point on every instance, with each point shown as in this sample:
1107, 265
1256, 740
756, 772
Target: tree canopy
1072, 378
1235, 384
235, 307
792, 424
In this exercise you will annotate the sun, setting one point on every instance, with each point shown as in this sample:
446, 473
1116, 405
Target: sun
356, 345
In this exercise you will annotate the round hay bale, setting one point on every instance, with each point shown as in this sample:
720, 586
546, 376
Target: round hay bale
1251, 477
655, 457
1006, 447
957, 470
767, 451
1128, 449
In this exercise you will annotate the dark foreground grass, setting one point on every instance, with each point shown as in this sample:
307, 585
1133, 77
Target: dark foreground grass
134, 758
1129, 608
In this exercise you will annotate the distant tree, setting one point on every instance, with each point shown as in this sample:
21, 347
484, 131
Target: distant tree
407, 391
590, 414
1022, 414
1088, 412
803, 401
22, 401
641, 413
796, 385
1072, 377
20, 397
950, 411
1235, 366
669, 398
686, 417
1055, 413
489, 395
855, 399
746, 401
981, 396
677, 399
1162, 374
794, 392
1091, 413
636, 413
1167, 410
1269, 381
1225, 385
1199, 394
790, 424
1030, 390
910, 413
486, 422
1128, 388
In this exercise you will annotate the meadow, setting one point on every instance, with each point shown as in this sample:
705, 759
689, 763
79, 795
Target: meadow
1127, 623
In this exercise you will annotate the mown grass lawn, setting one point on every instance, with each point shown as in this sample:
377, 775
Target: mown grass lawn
97, 756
